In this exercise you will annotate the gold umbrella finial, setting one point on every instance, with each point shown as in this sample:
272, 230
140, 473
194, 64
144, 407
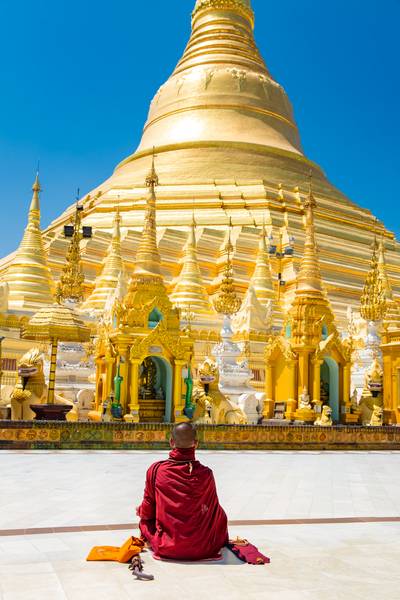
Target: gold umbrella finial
227, 301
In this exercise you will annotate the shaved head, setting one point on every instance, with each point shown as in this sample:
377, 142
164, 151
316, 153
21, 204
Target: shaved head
184, 435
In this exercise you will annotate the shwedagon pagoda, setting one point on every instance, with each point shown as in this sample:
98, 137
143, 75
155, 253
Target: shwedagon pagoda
217, 275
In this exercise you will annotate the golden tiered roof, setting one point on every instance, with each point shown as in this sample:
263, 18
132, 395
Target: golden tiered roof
56, 322
189, 292
28, 276
106, 284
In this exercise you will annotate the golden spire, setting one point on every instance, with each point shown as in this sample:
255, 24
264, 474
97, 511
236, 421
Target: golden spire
261, 280
70, 286
28, 276
189, 292
373, 298
311, 314
227, 302
148, 261
106, 284
392, 310
383, 272
309, 279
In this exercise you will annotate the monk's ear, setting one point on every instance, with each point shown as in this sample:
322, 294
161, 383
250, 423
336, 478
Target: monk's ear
171, 442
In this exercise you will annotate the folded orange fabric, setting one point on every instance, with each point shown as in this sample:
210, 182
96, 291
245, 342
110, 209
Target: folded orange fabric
132, 547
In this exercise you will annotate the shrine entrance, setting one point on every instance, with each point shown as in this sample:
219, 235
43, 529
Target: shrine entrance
155, 390
330, 386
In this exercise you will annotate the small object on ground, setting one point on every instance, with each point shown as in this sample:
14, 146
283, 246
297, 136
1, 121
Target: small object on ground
136, 567
247, 552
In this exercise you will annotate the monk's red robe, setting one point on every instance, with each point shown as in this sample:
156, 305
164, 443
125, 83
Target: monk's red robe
180, 514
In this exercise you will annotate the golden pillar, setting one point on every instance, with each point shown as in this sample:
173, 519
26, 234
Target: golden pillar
303, 373
316, 391
269, 402
134, 402
178, 400
52, 374
292, 400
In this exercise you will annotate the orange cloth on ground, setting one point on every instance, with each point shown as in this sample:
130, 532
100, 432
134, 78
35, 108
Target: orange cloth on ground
132, 547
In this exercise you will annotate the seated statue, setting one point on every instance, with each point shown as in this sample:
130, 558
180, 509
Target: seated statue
206, 392
325, 419
304, 400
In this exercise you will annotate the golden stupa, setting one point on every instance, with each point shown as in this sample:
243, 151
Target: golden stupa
228, 149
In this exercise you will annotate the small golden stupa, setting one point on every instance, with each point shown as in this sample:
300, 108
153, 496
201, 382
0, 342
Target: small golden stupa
28, 280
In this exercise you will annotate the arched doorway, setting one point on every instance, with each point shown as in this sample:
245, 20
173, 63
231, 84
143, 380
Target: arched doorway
330, 386
155, 390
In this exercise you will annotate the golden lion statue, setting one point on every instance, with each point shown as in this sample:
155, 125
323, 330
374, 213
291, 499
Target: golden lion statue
212, 407
325, 420
376, 417
32, 388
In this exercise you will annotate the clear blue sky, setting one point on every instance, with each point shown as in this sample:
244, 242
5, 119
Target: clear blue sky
77, 76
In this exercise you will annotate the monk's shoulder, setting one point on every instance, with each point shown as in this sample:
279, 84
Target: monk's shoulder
155, 467
205, 471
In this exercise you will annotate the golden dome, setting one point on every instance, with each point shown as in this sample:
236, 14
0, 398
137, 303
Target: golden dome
221, 95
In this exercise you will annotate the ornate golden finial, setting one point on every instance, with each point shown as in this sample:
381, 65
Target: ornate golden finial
70, 286
227, 302
189, 292
106, 284
373, 298
28, 277
261, 280
148, 261
309, 276
152, 177
34, 210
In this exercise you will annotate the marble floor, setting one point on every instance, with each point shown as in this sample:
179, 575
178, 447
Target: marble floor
320, 561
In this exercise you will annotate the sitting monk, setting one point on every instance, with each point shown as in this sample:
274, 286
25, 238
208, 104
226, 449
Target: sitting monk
180, 516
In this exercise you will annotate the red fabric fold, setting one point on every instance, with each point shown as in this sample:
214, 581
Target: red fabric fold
249, 554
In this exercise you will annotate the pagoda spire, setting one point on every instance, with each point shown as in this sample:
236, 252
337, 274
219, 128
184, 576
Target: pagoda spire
106, 284
311, 315
261, 280
148, 261
189, 292
28, 277
309, 279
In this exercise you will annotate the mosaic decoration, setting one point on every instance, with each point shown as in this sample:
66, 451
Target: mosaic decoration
31, 435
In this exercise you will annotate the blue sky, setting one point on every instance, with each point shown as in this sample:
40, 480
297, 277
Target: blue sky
77, 76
